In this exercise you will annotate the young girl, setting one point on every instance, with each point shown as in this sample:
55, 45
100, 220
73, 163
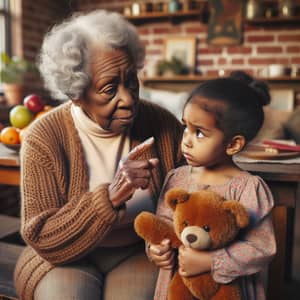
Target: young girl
220, 117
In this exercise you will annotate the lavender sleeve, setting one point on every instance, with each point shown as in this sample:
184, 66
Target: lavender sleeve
256, 246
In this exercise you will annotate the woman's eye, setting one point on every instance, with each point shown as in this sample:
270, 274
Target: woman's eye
199, 134
110, 90
185, 129
132, 82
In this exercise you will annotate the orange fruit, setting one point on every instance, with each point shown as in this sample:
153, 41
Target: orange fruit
10, 135
47, 107
21, 134
40, 114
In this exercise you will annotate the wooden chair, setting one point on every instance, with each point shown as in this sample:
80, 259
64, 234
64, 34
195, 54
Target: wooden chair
9, 254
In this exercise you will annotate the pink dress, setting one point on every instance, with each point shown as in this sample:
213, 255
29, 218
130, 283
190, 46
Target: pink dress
249, 256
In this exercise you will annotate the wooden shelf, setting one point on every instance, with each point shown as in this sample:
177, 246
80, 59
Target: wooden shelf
163, 16
200, 78
274, 21
188, 82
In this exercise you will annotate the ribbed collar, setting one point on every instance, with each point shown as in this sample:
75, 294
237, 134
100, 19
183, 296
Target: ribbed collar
88, 125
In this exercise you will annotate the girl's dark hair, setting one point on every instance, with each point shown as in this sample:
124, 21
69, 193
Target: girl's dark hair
242, 99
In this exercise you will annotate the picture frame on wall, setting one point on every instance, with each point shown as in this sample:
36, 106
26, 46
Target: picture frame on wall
182, 48
225, 22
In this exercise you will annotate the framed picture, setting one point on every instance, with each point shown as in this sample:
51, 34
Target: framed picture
225, 22
182, 48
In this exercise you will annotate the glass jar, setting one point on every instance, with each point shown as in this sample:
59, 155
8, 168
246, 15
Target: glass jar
286, 8
253, 9
173, 6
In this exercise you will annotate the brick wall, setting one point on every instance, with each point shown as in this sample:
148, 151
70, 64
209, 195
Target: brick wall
261, 46
36, 18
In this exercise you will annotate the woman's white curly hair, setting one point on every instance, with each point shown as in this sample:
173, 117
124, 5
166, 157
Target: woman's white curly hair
64, 55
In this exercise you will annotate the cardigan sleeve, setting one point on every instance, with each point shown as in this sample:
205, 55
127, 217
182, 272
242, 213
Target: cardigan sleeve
58, 230
256, 247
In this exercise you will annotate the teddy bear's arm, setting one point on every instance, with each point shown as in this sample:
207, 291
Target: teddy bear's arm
153, 229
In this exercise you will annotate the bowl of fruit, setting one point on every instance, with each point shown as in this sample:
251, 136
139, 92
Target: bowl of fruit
20, 116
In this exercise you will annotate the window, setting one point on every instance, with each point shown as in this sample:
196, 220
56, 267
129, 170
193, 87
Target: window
4, 26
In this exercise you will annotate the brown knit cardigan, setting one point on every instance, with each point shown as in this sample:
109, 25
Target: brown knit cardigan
61, 220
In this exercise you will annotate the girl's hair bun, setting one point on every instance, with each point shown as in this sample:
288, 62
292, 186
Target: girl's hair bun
259, 86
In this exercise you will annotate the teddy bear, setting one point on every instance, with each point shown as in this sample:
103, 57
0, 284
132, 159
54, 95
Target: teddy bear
202, 220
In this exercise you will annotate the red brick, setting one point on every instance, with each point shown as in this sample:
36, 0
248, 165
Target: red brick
153, 51
158, 41
269, 49
205, 62
267, 61
259, 38
237, 61
158, 30
195, 29
222, 61
239, 50
295, 60
293, 49
210, 50
212, 73
289, 38
143, 31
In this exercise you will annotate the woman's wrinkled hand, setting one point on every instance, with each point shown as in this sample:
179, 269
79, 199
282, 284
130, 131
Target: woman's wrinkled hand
132, 174
162, 254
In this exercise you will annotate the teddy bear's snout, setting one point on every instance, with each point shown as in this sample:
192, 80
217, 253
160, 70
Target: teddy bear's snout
191, 238
195, 237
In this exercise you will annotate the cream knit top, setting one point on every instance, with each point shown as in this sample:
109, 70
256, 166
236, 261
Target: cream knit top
103, 150
61, 219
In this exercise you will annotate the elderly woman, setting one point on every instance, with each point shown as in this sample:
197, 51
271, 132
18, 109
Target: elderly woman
86, 172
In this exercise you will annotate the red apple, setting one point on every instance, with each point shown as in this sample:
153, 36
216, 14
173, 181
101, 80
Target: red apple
34, 103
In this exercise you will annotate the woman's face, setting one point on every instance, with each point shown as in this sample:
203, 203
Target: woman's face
203, 143
112, 97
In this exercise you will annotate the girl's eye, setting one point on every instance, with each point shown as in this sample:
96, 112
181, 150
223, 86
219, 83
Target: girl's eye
199, 134
185, 129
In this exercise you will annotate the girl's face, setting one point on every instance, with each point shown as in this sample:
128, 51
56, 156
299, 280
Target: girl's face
203, 144
112, 97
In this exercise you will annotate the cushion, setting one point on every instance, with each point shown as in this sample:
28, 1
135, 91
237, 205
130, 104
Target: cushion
273, 126
172, 101
292, 126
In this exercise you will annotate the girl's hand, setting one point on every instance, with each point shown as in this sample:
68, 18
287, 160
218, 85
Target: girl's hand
162, 254
193, 262
132, 174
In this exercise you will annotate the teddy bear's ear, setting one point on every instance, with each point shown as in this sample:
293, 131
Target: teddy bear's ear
175, 196
241, 216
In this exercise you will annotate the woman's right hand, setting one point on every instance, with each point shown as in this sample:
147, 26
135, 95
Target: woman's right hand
132, 174
162, 254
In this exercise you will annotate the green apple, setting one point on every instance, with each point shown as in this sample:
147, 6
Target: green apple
20, 116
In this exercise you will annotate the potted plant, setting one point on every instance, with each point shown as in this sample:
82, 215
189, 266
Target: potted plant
172, 67
12, 73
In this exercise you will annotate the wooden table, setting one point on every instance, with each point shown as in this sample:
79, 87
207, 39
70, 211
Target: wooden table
9, 166
282, 178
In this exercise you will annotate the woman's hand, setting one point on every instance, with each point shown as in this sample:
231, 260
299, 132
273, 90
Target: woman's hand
132, 174
193, 262
162, 254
